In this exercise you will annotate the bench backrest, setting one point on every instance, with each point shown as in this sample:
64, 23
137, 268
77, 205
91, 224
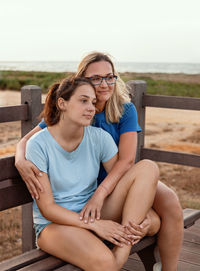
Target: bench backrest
13, 191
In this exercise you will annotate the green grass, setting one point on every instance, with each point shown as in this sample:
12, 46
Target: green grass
14, 80
169, 88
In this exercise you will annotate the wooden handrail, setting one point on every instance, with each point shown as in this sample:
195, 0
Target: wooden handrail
14, 113
186, 103
180, 158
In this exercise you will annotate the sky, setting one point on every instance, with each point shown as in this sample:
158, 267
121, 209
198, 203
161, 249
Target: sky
130, 30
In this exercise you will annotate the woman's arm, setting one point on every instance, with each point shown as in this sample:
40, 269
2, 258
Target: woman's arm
28, 171
126, 158
106, 229
116, 167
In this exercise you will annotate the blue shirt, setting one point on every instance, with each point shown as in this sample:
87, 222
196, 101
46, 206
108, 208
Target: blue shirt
128, 123
73, 175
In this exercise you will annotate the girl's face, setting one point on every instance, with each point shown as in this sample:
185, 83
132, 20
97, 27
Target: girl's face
103, 91
80, 109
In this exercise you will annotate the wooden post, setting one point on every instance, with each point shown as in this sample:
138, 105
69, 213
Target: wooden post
137, 89
30, 95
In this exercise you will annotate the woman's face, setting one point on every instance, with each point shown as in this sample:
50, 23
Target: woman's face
80, 109
103, 91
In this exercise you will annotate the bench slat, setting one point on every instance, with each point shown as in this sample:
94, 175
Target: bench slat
46, 264
190, 216
23, 260
68, 267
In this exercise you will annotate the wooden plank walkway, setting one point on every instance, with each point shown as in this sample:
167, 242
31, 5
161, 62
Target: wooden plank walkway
190, 253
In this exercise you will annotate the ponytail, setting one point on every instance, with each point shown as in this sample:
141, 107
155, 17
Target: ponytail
51, 112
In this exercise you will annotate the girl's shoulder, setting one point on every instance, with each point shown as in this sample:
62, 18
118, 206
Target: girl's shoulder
94, 131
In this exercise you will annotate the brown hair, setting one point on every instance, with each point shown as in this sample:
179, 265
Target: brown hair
115, 105
65, 89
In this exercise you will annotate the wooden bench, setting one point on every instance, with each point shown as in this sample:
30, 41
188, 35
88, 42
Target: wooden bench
13, 191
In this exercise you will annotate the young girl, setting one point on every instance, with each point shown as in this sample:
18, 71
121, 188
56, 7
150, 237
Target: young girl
68, 153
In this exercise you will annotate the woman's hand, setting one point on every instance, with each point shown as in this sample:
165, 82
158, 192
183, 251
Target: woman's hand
111, 231
29, 173
137, 232
92, 209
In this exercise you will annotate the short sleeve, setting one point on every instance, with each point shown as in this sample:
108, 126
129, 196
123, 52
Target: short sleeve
108, 146
128, 121
36, 154
42, 124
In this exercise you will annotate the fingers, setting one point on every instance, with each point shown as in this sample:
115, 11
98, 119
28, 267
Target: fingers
38, 173
145, 223
90, 214
29, 173
134, 229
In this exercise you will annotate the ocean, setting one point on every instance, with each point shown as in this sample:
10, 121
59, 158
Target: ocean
71, 66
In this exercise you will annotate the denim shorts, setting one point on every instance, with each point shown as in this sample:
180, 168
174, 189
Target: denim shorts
39, 227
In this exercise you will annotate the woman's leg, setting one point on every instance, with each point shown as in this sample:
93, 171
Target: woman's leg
170, 236
131, 199
77, 246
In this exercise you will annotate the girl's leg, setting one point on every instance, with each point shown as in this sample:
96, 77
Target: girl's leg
170, 236
77, 246
131, 199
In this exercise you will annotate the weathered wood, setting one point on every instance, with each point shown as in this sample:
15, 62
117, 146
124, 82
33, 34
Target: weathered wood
190, 216
30, 95
179, 158
138, 89
13, 192
68, 267
24, 259
14, 113
8, 169
47, 264
185, 103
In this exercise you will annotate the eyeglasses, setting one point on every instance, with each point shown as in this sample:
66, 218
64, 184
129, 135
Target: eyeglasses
97, 80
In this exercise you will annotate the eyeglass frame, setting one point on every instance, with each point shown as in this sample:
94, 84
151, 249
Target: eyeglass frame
103, 78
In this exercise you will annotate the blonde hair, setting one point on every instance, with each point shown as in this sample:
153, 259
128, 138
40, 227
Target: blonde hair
114, 106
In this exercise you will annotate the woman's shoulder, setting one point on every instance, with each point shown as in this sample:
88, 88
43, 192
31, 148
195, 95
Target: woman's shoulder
129, 109
128, 106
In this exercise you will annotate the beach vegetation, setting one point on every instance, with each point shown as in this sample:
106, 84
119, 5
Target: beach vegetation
14, 80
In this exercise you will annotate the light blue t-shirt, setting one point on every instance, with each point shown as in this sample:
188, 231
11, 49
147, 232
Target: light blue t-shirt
73, 175
127, 123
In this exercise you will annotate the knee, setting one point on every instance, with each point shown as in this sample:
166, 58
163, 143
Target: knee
171, 208
151, 167
104, 261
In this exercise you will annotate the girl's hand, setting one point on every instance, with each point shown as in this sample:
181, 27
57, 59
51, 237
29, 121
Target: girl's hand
111, 231
137, 232
29, 173
92, 209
